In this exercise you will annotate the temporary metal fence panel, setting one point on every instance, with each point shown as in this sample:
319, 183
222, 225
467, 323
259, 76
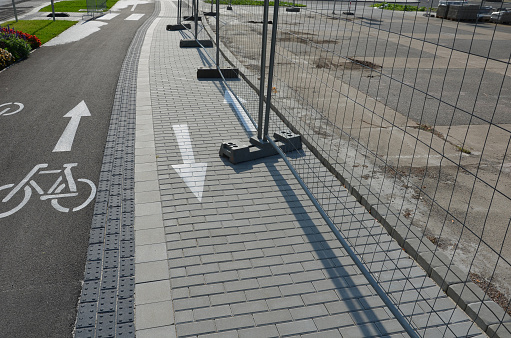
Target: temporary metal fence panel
408, 113
95, 6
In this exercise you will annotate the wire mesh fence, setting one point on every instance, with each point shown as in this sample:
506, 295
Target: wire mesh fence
406, 107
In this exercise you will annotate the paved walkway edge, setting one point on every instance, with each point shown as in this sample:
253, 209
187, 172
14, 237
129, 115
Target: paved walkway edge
153, 302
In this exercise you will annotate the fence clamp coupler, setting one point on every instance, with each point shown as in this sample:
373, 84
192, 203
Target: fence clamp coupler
238, 152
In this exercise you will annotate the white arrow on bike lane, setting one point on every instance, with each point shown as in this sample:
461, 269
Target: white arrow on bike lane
65, 142
193, 174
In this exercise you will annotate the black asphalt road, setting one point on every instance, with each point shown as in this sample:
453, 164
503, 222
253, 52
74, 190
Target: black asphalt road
42, 250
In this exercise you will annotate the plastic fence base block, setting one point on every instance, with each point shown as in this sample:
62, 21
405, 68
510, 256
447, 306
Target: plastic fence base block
210, 14
191, 18
214, 73
238, 152
293, 9
195, 43
179, 27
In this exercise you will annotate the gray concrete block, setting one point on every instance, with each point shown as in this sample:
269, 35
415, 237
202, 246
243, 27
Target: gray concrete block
196, 328
465, 293
487, 313
237, 322
245, 284
297, 289
191, 303
212, 312
445, 276
320, 297
228, 298
249, 307
297, 327
272, 317
263, 293
285, 302
274, 281
323, 334
263, 331
499, 330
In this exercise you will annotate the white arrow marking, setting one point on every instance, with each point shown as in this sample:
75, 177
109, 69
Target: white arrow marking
66, 140
193, 174
245, 120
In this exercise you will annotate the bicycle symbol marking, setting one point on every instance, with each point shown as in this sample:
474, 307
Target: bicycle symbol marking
65, 186
5, 111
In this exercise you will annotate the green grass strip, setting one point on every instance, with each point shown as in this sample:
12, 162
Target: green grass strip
255, 3
73, 6
45, 30
398, 7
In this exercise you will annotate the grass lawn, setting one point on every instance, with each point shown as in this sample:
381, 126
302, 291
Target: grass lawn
73, 5
45, 30
255, 3
398, 7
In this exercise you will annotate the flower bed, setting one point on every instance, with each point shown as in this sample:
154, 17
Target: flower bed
15, 45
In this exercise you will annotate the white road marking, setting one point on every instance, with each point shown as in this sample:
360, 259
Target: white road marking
133, 7
65, 142
76, 33
134, 17
193, 174
4, 112
245, 120
28, 185
108, 16
122, 4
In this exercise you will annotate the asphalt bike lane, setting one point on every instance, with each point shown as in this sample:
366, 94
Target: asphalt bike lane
54, 116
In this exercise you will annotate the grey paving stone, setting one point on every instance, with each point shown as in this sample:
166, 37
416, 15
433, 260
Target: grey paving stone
262, 331
249, 307
296, 289
297, 327
263, 293
272, 317
226, 334
191, 303
212, 312
237, 322
274, 281
323, 334
309, 312
334, 321
245, 284
285, 302
196, 328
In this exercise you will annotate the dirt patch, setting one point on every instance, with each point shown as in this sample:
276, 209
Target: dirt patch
491, 291
303, 38
429, 129
253, 67
351, 64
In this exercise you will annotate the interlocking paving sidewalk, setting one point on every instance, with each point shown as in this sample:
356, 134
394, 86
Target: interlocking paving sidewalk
250, 257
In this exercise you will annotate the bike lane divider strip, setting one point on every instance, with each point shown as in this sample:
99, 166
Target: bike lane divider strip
153, 301
106, 304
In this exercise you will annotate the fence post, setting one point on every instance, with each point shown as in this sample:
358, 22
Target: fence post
195, 14
16, 14
217, 31
271, 66
179, 6
263, 68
